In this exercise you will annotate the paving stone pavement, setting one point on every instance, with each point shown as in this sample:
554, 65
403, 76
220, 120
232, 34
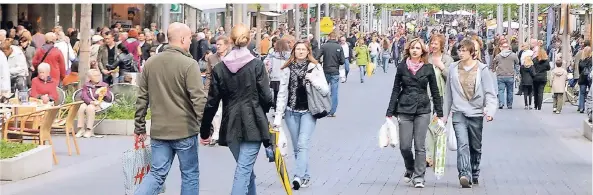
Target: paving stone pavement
525, 152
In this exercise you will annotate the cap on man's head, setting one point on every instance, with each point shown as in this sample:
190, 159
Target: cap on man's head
96, 38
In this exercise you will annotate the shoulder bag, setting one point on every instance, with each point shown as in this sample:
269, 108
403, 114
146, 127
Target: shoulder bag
319, 104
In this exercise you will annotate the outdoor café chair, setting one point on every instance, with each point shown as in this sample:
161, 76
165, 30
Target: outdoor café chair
99, 112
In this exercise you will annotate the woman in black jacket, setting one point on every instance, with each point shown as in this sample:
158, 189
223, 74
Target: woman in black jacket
527, 73
542, 66
584, 77
240, 81
410, 102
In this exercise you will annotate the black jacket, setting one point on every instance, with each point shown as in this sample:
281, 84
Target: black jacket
527, 75
541, 70
203, 47
145, 51
584, 65
125, 62
333, 57
315, 47
246, 98
410, 95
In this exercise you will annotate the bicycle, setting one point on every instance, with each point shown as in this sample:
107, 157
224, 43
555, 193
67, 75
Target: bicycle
572, 92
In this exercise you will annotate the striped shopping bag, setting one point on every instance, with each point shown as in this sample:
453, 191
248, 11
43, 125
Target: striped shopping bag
440, 155
136, 165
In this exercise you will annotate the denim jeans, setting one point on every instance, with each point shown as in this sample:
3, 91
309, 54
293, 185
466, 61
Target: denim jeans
413, 129
333, 81
245, 154
582, 96
301, 126
468, 131
508, 84
163, 152
363, 72
385, 63
347, 66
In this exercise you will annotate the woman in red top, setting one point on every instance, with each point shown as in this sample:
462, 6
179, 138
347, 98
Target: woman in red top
43, 86
54, 58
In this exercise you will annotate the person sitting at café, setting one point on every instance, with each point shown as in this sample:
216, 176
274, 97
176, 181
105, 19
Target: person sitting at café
72, 77
44, 87
91, 92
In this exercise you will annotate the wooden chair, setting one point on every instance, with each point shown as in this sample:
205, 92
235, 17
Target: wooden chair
40, 130
65, 121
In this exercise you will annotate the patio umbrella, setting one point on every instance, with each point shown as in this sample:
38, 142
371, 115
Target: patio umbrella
280, 163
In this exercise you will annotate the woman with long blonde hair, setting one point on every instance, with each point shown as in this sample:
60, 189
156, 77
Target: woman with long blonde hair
301, 69
411, 104
363, 57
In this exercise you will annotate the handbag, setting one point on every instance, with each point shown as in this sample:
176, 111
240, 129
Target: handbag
319, 104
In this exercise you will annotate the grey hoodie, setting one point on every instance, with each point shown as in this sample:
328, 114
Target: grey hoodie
484, 100
504, 63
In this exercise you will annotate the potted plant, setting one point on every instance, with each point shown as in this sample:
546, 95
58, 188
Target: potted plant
23, 160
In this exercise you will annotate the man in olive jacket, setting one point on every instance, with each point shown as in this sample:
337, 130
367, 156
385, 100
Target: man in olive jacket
177, 100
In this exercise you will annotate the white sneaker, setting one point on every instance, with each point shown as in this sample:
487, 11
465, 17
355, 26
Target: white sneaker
554, 110
79, 133
305, 183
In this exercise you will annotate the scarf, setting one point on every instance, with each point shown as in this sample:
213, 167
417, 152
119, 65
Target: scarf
298, 70
414, 67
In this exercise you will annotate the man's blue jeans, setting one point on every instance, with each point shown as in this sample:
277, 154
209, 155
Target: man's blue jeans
347, 66
468, 131
163, 152
508, 84
301, 126
245, 154
333, 81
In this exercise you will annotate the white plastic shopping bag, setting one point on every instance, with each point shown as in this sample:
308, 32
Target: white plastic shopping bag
136, 165
389, 134
342, 74
383, 136
282, 141
451, 139
393, 131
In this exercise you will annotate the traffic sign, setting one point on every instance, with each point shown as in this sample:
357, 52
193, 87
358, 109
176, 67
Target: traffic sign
326, 25
175, 8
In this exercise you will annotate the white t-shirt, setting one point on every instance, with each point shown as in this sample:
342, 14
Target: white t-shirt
346, 49
374, 47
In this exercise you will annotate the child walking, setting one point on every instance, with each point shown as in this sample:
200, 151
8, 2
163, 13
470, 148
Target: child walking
527, 73
558, 82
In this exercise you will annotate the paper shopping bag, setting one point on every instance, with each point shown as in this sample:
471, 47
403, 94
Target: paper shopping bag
136, 165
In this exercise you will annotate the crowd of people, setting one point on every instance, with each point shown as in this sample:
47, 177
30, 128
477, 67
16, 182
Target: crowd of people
221, 87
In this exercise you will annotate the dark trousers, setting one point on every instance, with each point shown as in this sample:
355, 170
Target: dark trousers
275, 85
527, 94
538, 93
413, 129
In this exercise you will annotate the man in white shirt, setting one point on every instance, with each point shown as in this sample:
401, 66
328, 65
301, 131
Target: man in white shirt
4, 76
347, 52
